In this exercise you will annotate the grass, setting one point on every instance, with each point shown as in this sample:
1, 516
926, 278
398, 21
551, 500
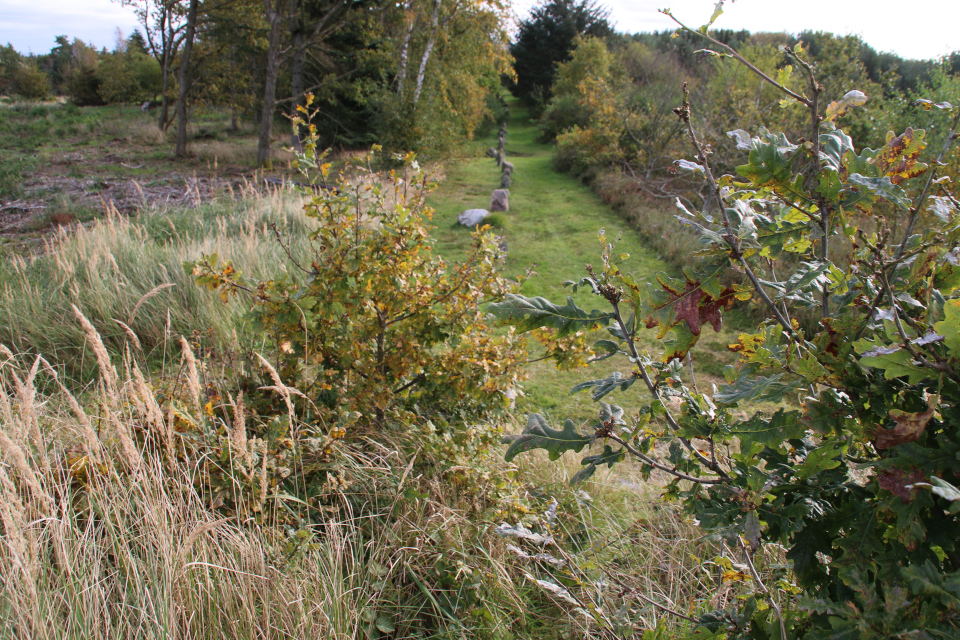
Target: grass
552, 229
132, 271
102, 540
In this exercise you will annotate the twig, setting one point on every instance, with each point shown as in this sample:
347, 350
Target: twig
286, 249
683, 112
636, 592
655, 392
763, 587
659, 465
733, 54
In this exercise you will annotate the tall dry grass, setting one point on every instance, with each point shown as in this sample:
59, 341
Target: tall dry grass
127, 275
105, 537
101, 540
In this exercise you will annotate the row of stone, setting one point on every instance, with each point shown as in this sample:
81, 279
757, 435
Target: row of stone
500, 198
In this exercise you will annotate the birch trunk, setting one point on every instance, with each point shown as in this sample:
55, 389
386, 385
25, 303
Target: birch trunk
434, 22
405, 48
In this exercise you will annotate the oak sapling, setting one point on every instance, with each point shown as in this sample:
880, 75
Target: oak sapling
854, 475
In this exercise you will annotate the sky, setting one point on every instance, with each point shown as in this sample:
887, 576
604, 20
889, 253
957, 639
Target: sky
919, 29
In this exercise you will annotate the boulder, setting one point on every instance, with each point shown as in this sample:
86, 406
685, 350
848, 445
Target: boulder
505, 181
472, 217
499, 200
507, 167
491, 152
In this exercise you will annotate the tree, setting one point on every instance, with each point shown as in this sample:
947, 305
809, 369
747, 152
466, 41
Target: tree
309, 23
184, 84
379, 333
447, 62
854, 473
164, 23
136, 42
546, 39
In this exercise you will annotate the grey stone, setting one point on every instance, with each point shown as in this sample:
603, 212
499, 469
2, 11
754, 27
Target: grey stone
507, 167
505, 181
491, 152
472, 217
500, 200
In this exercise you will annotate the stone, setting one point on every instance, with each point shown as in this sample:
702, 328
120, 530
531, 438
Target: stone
472, 217
505, 181
491, 152
499, 200
507, 167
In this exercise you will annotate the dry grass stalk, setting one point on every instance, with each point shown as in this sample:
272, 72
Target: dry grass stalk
91, 440
27, 394
130, 334
108, 374
263, 475
17, 538
193, 378
282, 389
149, 294
154, 413
238, 435
17, 458
127, 446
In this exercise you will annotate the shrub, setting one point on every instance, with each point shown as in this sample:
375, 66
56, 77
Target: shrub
31, 83
852, 466
375, 330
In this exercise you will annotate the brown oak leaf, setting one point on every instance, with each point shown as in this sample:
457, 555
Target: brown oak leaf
899, 482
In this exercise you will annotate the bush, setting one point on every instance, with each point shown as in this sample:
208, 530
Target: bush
378, 332
31, 83
850, 460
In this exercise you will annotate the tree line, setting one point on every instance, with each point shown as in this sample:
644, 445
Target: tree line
419, 74
608, 98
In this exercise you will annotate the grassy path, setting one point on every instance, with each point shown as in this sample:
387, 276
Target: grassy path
553, 219
552, 227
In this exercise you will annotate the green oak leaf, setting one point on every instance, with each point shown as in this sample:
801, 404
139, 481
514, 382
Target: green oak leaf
769, 167
757, 389
949, 327
608, 457
861, 192
539, 435
819, 460
605, 385
894, 361
527, 314
833, 146
770, 432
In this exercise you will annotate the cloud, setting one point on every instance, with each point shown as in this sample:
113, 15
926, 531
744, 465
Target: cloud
32, 25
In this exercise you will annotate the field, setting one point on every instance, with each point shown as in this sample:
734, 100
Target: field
97, 215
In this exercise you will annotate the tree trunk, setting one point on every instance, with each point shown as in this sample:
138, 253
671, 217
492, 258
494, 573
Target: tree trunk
185, 80
426, 52
410, 18
274, 16
296, 76
164, 105
233, 91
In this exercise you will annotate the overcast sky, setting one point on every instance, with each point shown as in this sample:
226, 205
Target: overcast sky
919, 29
